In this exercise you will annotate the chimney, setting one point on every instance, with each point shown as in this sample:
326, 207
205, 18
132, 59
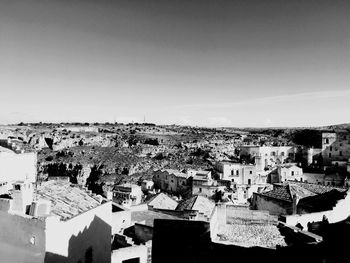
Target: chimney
22, 195
40, 208
295, 202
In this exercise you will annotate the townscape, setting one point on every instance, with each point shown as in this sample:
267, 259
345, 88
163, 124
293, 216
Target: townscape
136, 192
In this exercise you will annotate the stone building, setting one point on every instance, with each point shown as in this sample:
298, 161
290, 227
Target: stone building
172, 181
290, 172
287, 198
335, 147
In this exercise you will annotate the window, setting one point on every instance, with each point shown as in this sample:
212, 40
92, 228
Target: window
292, 173
327, 140
249, 181
330, 155
282, 153
200, 189
237, 172
232, 172
250, 172
330, 148
131, 260
340, 153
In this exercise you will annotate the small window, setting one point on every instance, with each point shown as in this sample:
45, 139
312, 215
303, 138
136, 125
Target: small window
327, 140
200, 189
250, 172
330, 148
330, 155
292, 173
340, 153
249, 181
237, 172
32, 240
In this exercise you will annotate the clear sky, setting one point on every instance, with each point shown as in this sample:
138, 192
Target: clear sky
191, 62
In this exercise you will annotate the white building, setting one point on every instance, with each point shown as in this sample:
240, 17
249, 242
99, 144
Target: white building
17, 166
237, 173
290, 172
54, 223
268, 155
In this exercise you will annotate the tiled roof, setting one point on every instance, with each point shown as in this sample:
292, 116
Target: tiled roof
174, 172
319, 189
280, 193
196, 203
66, 199
285, 191
162, 201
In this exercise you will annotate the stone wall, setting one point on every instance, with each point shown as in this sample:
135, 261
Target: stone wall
274, 206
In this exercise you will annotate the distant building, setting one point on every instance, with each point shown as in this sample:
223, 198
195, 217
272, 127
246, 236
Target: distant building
335, 147
237, 173
267, 155
147, 185
127, 194
290, 172
172, 181
284, 199
334, 179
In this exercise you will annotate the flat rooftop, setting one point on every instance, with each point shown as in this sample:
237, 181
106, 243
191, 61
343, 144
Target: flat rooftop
148, 216
246, 234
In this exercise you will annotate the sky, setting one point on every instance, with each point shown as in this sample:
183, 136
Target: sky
239, 63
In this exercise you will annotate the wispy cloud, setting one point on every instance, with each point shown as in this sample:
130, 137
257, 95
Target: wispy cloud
306, 96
